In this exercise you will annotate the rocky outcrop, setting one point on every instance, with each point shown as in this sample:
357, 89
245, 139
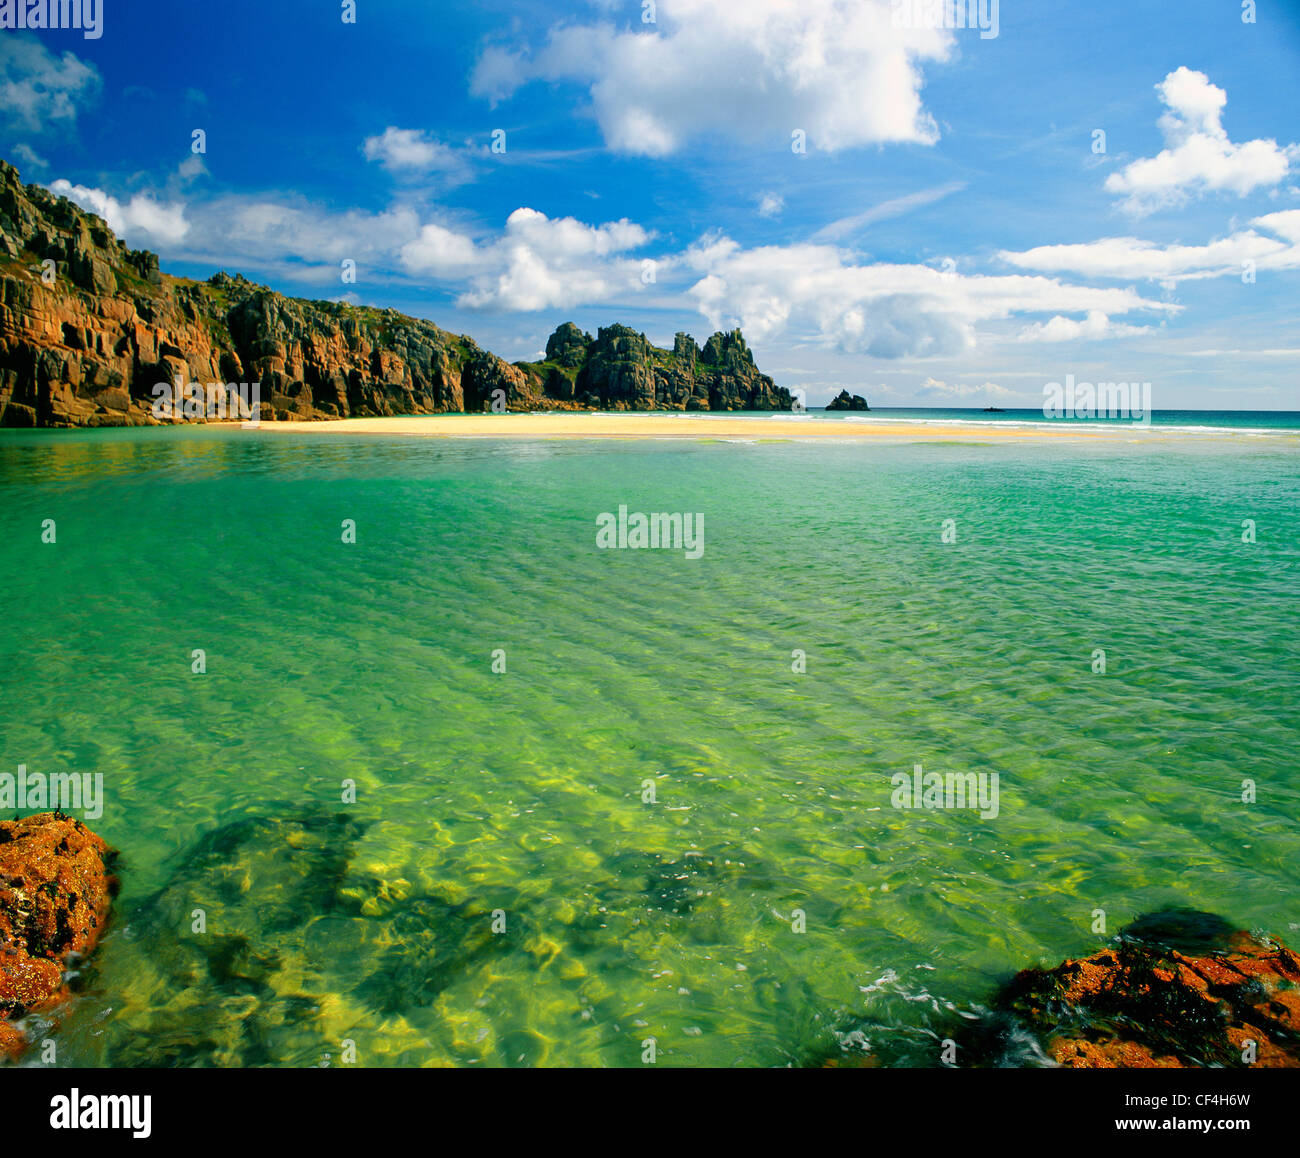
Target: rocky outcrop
89, 328
1177, 990
846, 401
55, 893
568, 346
620, 369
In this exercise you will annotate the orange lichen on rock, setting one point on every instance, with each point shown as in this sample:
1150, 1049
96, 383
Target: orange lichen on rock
1079, 1054
55, 894
1145, 1005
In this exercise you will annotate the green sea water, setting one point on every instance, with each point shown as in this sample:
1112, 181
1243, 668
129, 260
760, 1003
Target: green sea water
501, 891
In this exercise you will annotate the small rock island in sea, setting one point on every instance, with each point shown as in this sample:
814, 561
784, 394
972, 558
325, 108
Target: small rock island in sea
846, 401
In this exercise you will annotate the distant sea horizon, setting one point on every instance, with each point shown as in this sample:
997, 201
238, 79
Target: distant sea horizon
1184, 417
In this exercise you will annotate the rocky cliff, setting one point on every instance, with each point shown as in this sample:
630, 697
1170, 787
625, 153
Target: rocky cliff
89, 328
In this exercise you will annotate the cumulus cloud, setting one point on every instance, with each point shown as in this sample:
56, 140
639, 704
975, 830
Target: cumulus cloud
192, 168
1134, 258
1198, 157
410, 151
1093, 326
39, 90
770, 205
440, 252
140, 221
757, 71
544, 263
987, 392
881, 309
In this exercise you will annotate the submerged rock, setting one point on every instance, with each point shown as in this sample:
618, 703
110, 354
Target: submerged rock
55, 893
1178, 989
269, 946
223, 977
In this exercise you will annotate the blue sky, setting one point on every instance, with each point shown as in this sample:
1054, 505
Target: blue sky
951, 234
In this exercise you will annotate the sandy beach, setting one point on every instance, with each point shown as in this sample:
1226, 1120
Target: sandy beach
570, 424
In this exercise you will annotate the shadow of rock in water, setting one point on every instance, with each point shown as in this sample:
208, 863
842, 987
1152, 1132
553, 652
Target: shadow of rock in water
224, 947
290, 934
431, 944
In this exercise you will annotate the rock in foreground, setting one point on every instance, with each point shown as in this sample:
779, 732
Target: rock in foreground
55, 893
1173, 993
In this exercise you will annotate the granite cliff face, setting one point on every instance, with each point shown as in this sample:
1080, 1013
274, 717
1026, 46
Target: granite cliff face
88, 329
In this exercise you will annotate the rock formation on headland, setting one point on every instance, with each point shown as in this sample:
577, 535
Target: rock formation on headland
89, 327
619, 369
846, 401
55, 892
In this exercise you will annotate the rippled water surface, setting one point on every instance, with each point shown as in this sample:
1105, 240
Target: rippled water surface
523, 793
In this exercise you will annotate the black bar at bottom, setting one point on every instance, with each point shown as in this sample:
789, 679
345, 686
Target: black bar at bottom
667, 1107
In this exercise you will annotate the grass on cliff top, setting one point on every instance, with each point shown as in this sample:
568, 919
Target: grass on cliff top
544, 368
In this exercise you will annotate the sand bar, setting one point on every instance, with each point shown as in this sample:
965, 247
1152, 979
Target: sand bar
582, 424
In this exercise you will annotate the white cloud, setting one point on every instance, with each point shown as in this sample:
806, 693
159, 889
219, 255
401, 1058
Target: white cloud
987, 392
39, 90
1131, 257
440, 252
410, 151
254, 233
30, 157
757, 71
770, 205
884, 310
1198, 157
140, 221
191, 168
543, 263
255, 230
895, 207
1285, 224
1093, 326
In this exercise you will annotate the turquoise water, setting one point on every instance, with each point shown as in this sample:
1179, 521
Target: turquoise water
1189, 420
521, 793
